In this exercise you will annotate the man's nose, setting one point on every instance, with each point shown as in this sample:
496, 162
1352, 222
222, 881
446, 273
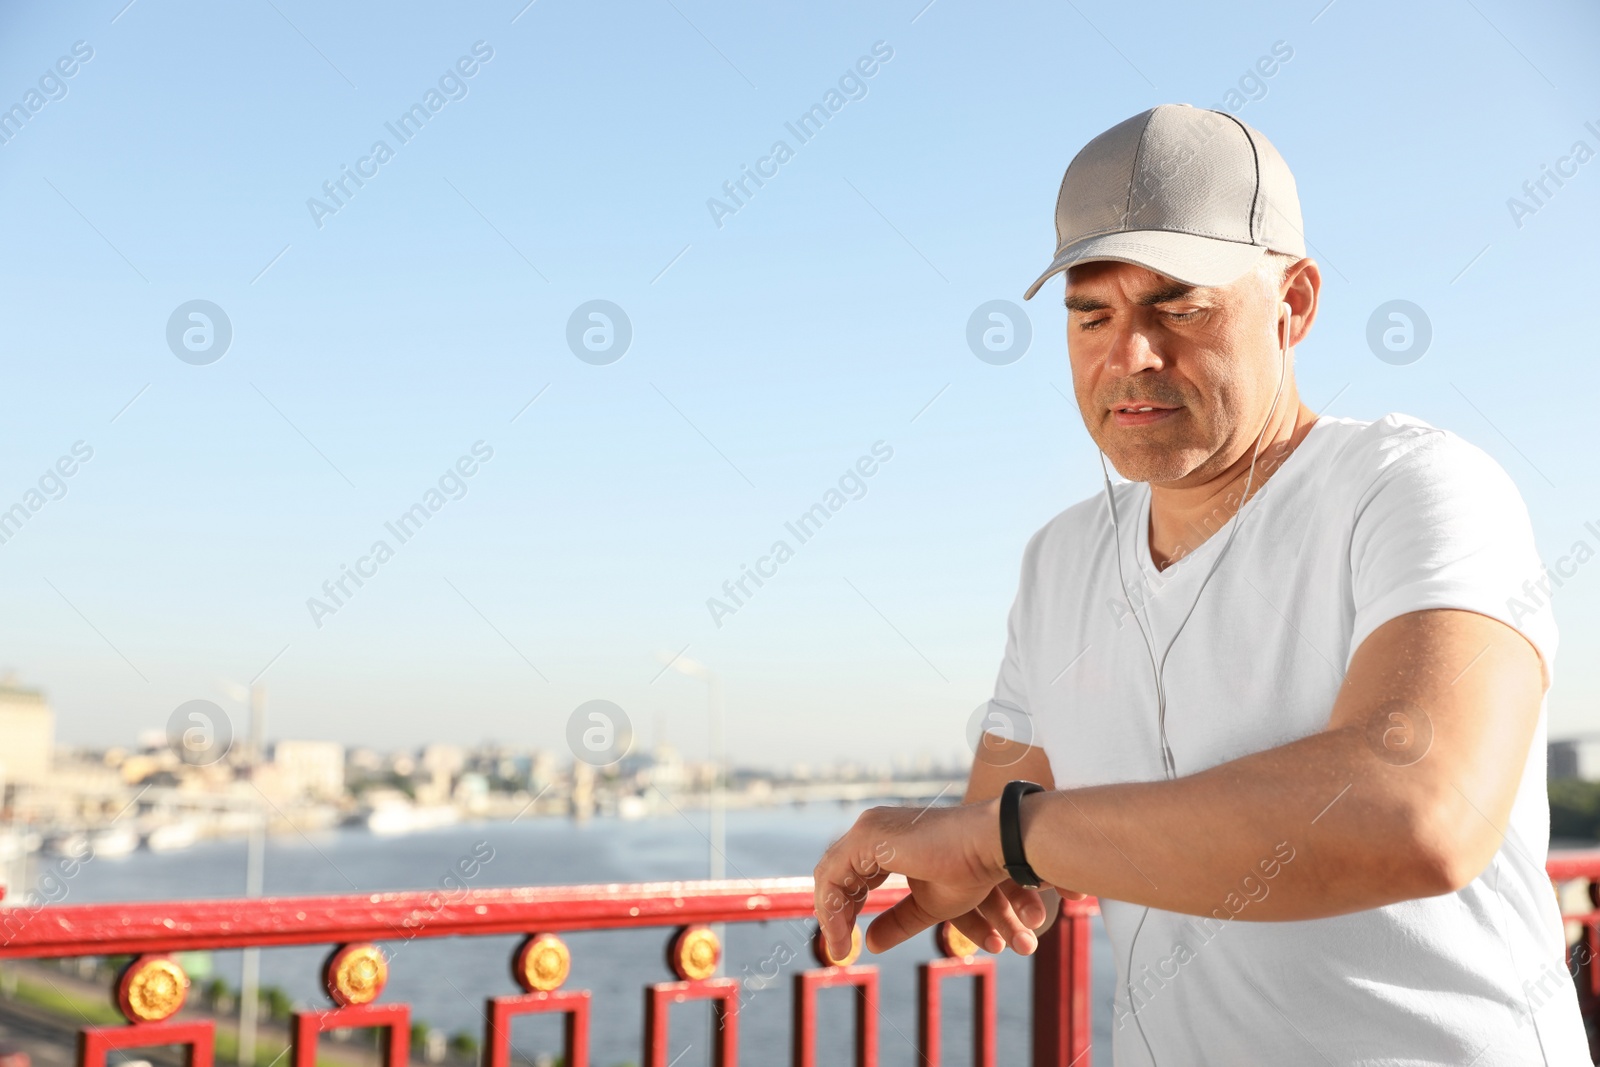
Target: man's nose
1131, 351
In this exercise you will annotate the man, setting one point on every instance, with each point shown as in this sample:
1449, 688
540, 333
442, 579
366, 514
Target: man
1289, 732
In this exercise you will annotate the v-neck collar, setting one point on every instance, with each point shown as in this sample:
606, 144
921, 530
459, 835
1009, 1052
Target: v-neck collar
1211, 544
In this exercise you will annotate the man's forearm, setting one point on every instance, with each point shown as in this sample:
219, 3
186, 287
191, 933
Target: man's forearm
1314, 828
998, 760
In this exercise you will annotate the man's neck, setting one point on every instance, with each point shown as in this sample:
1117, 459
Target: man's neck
1181, 520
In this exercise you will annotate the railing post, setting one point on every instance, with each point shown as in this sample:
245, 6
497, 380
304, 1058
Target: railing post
958, 957
1061, 1018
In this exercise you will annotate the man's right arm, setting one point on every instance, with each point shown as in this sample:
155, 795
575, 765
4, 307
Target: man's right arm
1010, 915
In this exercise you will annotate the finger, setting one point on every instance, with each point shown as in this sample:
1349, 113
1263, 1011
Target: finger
978, 931
1067, 894
900, 923
1027, 903
995, 938
840, 906
830, 905
996, 907
839, 893
836, 912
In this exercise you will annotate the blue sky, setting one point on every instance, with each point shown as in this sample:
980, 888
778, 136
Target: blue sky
769, 353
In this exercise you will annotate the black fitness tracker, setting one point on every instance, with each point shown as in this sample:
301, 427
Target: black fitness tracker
1011, 832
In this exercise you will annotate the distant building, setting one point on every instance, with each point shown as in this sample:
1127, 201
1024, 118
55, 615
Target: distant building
472, 793
543, 770
436, 772
313, 769
449, 760
665, 769
582, 798
1577, 757
73, 792
29, 728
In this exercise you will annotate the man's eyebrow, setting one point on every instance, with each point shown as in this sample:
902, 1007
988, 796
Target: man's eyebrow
1175, 291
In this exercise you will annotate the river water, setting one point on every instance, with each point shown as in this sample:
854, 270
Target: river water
447, 979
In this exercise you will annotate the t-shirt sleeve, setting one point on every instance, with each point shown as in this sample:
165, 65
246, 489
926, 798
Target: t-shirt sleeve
1443, 526
1009, 713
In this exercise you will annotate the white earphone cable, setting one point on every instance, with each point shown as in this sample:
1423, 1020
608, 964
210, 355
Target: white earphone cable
1158, 666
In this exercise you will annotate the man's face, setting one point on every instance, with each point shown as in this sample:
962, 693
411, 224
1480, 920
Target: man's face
1204, 360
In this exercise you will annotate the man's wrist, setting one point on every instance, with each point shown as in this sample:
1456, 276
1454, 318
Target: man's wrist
1028, 808
991, 851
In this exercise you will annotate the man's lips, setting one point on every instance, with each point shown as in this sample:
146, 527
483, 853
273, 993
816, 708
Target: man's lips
1134, 413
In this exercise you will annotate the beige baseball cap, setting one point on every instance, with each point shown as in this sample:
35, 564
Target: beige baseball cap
1188, 192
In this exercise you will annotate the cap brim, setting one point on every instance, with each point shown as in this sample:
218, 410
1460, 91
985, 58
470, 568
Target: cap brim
1185, 257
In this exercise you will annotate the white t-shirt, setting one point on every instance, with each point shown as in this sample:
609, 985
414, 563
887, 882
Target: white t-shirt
1363, 522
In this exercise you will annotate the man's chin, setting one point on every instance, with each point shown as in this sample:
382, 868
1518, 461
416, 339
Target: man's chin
1159, 466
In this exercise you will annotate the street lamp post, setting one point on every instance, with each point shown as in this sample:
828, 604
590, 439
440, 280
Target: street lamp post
719, 758
254, 871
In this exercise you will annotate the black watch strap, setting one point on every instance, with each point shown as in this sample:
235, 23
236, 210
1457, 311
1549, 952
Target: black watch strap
1011, 832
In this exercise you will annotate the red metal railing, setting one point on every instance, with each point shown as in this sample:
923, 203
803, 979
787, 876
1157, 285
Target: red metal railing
1583, 954
150, 989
